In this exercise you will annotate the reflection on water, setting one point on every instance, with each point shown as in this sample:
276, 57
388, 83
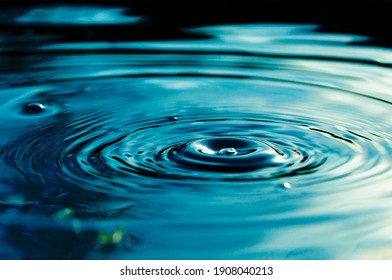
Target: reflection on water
259, 141
69, 15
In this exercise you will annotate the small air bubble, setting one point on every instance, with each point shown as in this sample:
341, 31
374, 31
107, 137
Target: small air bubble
227, 152
173, 118
286, 185
33, 108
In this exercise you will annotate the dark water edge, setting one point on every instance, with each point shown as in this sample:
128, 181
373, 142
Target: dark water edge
369, 18
111, 153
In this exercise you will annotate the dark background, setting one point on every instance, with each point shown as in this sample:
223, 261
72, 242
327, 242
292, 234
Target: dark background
371, 18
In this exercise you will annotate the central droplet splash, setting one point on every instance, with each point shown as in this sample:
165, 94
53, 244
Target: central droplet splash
227, 155
228, 152
226, 146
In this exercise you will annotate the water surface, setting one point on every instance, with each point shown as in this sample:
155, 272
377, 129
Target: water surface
252, 141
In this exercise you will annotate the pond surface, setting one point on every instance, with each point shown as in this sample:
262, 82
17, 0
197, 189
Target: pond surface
246, 141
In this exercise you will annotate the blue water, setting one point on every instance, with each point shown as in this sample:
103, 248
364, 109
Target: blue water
261, 141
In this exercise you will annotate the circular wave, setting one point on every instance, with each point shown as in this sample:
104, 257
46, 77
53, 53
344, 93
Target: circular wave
197, 129
217, 145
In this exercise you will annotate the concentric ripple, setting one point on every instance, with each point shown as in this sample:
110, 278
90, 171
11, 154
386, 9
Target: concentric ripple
185, 145
203, 154
220, 147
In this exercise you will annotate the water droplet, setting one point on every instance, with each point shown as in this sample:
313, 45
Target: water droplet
227, 152
173, 118
33, 108
286, 185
